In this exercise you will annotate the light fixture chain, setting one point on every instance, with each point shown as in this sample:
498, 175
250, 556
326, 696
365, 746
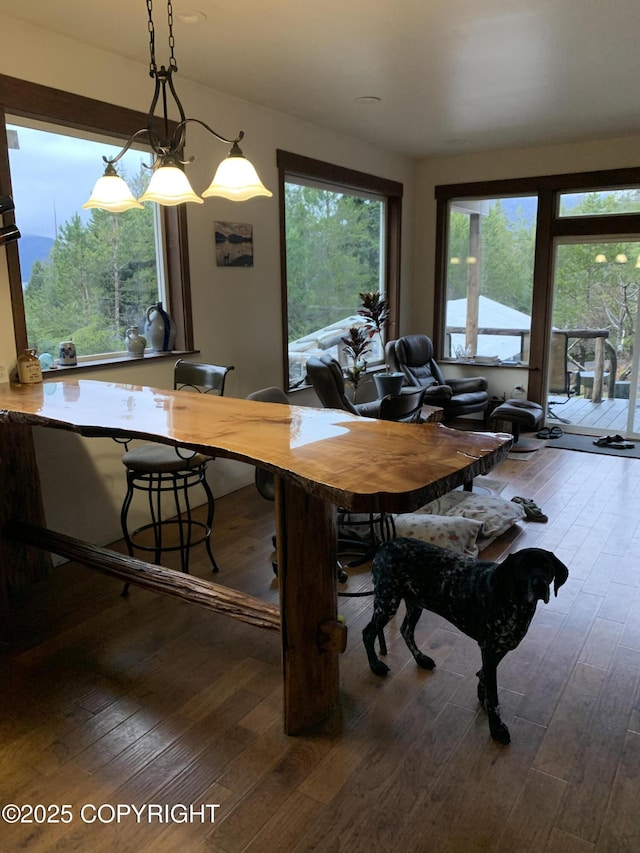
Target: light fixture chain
172, 59
152, 39
169, 185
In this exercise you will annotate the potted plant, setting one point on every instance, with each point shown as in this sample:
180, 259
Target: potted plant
375, 310
356, 346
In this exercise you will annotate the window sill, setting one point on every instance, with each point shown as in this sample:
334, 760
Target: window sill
511, 365
116, 361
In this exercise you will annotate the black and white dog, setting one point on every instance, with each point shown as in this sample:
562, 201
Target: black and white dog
493, 603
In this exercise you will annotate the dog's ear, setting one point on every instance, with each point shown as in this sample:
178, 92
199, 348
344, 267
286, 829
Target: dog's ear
560, 574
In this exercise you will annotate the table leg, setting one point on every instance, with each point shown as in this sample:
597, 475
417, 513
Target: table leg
20, 499
306, 542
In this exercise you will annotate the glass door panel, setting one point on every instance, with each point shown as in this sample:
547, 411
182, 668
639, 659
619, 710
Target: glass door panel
593, 383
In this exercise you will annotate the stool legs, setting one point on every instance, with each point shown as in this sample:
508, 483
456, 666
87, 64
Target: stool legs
125, 511
179, 485
210, 511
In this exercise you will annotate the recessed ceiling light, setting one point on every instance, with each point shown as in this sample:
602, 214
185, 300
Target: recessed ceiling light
368, 99
191, 16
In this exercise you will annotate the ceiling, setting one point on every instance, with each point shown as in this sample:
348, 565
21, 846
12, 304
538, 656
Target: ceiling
452, 76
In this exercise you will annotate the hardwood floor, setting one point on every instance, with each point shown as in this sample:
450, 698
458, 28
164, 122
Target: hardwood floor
148, 700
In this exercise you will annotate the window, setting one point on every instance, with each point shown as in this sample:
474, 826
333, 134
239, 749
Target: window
600, 203
85, 275
341, 234
516, 225
489, 280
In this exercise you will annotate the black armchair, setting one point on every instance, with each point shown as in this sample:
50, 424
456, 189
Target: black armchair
413, 356
325, 374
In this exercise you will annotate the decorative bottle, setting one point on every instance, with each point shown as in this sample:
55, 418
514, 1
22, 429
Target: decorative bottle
135, 342
159, 328
29, 368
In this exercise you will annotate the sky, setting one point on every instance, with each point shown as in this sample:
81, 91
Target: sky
52, 176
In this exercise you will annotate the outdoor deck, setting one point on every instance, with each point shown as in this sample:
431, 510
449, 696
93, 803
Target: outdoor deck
608, 416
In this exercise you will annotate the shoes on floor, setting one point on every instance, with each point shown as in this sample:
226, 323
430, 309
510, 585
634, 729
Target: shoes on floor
615, 441
550, 432
531, 509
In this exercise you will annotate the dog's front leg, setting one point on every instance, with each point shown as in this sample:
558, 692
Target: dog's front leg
488, 688
407, 629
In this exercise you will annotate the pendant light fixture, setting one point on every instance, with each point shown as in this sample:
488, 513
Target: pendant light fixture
235, 178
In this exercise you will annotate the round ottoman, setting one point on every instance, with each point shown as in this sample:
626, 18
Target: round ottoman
521, 414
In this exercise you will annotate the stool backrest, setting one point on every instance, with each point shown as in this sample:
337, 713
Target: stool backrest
265, 482
269, 395
205, 378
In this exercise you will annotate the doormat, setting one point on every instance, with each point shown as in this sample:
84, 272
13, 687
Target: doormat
584, 443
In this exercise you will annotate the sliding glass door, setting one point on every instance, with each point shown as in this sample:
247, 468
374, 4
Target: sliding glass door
592, 382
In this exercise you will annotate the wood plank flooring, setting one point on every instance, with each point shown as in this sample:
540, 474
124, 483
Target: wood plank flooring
148, 700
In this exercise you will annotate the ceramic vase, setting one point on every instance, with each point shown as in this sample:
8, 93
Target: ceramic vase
159, 328
67, 356
135, 342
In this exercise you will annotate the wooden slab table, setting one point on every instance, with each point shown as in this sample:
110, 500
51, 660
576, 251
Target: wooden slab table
322, 459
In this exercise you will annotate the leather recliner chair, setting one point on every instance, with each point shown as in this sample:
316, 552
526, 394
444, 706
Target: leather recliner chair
325, 374
413, 356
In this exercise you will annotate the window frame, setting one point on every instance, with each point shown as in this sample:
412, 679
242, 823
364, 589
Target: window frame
339, 178
549, 226
43, 103
444, 354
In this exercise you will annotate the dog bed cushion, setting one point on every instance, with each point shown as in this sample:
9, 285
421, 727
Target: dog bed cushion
454, 531
495, 513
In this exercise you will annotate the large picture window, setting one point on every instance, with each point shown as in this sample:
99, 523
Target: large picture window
489, 285
340, 238
526, 262
85, 275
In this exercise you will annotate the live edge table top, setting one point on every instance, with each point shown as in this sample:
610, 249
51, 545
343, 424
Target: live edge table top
357, 463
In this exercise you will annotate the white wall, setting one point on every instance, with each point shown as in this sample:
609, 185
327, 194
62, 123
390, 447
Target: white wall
237, 315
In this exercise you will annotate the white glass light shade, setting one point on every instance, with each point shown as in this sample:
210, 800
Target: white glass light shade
601, 259
111, 194
621, 258
169, 186
237, 180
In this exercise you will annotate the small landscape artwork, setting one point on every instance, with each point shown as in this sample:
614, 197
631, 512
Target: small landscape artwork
234, 244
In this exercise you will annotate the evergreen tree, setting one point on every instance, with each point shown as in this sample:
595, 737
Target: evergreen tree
98, 280
333, 254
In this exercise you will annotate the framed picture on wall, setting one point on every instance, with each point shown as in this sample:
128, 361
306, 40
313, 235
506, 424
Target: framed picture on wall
234, 244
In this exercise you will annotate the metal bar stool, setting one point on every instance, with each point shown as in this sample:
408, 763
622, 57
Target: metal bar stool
158, 469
